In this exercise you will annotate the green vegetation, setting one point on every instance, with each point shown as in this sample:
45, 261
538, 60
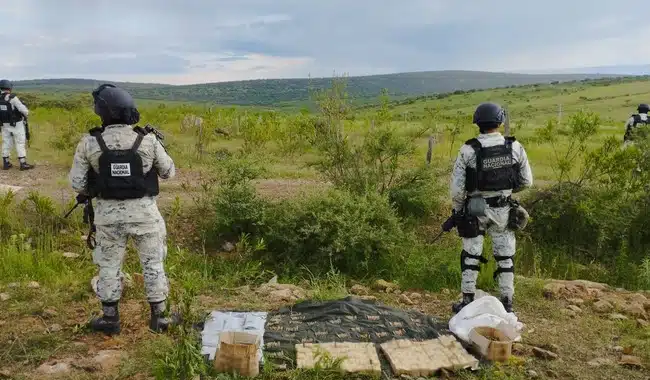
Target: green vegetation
296, 92
325, 199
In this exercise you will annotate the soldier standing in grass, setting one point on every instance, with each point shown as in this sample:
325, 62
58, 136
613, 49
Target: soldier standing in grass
488, 170
120, 165
634, 121
12, 121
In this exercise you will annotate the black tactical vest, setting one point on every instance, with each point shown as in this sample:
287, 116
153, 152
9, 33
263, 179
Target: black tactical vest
8, 114
636, 120
495, 169
121, 174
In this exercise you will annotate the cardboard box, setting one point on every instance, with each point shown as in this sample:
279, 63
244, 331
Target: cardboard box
237, 353
494, 344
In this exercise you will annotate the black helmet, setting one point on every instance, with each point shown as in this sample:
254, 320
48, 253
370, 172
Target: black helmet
489, 113
115, 105
6, 84
643, 108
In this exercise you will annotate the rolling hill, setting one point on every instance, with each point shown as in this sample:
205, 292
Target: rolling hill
267, 92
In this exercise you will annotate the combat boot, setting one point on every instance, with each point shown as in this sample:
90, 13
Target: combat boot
6, 164
507, 303
109, 323
161, 320
467, 299
24, 165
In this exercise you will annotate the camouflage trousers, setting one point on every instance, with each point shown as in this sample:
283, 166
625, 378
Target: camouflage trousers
150, 242
14, 136
503, 245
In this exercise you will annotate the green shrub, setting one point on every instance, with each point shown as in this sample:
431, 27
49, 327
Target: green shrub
356, 235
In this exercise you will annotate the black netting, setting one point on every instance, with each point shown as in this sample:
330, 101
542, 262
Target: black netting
347, 320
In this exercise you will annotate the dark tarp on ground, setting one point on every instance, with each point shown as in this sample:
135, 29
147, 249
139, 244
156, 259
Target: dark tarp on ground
348, 320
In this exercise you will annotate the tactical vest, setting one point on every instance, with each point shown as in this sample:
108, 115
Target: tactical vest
8, 114
636, 121
121, 174
495, 169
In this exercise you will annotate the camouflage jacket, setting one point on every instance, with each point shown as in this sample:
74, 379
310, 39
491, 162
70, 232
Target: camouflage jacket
143, 210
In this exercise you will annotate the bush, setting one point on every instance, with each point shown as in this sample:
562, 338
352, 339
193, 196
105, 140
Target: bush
357, 235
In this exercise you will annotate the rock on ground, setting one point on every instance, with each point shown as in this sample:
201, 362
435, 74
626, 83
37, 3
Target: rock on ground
55, 369
635, 310
109, 359
4, 297
632, 361
617, 317
573, 289
385, 286
574, 308
33, 285
603, 306
544, 354
405, 299
359, 290
282, 292
70, 255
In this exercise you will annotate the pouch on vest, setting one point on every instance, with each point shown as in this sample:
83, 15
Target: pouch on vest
8, 115
517, 217
476, 205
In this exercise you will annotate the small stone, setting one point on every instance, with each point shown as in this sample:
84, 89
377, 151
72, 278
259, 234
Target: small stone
4, 297
569, 312
532, 374
632, 361
70, 255
553, 290
33, 285
368, 298
405, 299
617, 317
385, 286
576, 301
642, 323
603, 306
109, 359
359, 290
544, 354
617, 348
5, 374
54, 369
445, 292
574, 308
228, 247
416, 296
55, 328
635, 310
600, 362
13, 285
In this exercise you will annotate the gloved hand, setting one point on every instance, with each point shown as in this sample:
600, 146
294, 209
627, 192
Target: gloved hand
450, 223
82, 198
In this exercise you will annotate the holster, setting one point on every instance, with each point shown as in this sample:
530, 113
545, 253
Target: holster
467, 225
517, 216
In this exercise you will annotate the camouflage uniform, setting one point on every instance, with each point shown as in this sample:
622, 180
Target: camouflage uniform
116, 220
14, 135
496, 219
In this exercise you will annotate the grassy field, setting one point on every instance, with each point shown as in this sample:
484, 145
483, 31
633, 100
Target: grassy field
324, 213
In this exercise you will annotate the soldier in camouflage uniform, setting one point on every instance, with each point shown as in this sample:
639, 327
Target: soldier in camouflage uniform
503, 169
120, 166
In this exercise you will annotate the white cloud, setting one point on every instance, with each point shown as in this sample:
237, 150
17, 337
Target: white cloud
207, 40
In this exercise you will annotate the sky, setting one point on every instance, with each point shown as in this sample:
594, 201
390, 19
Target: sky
199, 41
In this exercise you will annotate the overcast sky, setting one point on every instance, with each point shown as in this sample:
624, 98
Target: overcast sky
193, 41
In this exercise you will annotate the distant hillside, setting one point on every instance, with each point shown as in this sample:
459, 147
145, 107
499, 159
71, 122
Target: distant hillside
269, 92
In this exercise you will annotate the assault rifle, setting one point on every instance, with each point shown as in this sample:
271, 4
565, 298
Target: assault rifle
447, 226
88, 217
27, 135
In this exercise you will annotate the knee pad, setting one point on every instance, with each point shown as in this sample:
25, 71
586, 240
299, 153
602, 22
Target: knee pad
466, 255
499, 269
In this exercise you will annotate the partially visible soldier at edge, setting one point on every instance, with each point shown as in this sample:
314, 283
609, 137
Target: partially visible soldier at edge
12, 116
641, 117
482, 199
120, 166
